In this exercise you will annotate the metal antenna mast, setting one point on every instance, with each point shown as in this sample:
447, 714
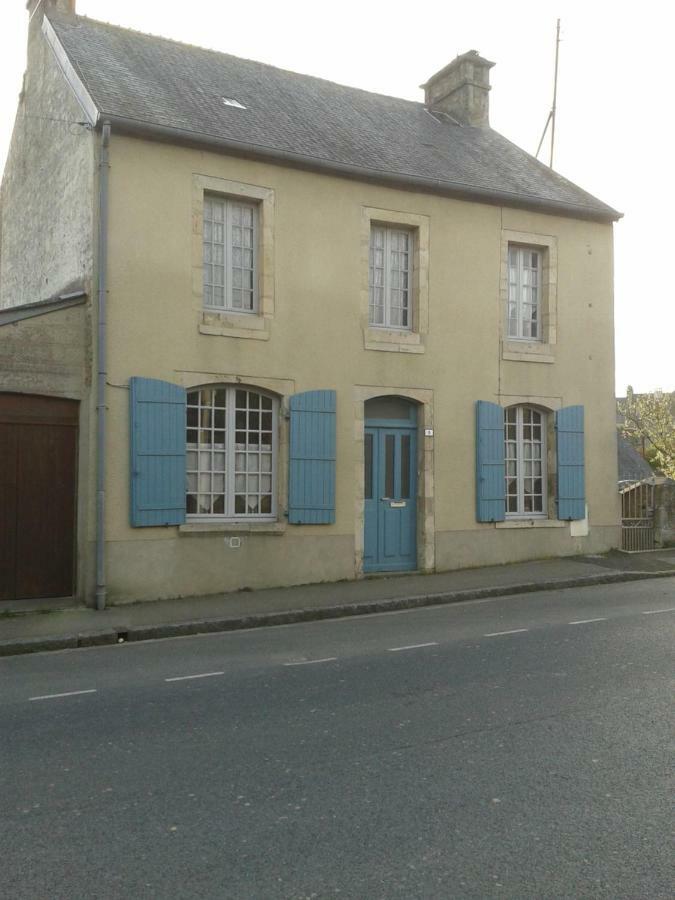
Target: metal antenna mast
551, 116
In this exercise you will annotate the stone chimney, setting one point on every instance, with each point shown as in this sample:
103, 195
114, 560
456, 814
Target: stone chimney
38, 8
462, 89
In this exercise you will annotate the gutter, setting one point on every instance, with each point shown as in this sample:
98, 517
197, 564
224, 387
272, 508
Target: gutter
103, 168
170, 134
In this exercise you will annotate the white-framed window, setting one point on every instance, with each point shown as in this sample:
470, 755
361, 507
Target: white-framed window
390, 277
524, 293
231, 453
525, 461
230, 241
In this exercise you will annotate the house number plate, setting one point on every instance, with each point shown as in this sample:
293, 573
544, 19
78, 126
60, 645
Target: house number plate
428, 432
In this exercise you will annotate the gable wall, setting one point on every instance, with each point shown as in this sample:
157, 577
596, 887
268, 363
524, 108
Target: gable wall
46, 199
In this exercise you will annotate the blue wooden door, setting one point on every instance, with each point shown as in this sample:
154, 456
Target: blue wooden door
390, 540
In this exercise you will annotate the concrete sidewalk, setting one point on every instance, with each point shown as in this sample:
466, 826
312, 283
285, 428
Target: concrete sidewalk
57, 629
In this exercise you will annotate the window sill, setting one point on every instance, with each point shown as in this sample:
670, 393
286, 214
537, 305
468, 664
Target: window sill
530, 523
232, 528
392, 340
232, 324
528, 351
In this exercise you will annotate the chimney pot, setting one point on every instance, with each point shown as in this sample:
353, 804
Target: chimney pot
461, 89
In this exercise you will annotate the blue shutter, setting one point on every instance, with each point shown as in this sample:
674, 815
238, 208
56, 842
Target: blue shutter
569, 426
490, 487
157, 452
311, 479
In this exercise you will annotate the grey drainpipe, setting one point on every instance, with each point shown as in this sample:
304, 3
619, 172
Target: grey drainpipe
104, 167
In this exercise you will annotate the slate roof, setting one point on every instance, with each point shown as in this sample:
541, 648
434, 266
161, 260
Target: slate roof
142, 82
632, 466
73, 296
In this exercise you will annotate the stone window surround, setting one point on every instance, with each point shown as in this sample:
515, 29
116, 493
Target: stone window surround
426, 529
255, 326
541, 351
549, 406
393, 339
283, 388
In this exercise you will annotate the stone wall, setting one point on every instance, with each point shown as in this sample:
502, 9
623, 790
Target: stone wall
664, 516
46, 199
47, 354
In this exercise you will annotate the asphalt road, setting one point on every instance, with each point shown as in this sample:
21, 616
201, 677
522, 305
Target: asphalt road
518, 747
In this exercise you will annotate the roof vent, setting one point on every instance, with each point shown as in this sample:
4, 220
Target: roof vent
228, 101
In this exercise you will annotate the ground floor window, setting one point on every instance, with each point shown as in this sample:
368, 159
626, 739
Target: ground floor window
231, 453
525, 461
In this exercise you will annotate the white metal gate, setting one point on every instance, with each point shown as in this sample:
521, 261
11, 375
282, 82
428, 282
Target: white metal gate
637, 517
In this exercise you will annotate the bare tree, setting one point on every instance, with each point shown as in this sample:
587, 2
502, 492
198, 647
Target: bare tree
649, 419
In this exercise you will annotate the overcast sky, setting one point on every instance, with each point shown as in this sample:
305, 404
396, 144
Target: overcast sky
614, 102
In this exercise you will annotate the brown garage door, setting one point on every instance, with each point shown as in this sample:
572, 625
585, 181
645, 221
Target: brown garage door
38, 478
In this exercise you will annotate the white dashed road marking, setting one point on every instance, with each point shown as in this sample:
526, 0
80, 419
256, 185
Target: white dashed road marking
67, 694
413, 646
189, 677
311, 662
653, 612
586, 621
513, 631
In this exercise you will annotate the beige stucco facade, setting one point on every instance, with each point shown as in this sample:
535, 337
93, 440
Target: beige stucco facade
312, 333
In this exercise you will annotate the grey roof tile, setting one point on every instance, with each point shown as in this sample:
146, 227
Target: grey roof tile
632, 466
159, 82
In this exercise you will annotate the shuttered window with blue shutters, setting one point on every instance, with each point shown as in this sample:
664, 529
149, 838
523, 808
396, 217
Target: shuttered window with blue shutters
311, 481
157, 452
490, 499
571, 498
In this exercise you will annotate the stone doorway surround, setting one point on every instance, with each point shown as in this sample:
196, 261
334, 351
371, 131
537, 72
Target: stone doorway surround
426, 537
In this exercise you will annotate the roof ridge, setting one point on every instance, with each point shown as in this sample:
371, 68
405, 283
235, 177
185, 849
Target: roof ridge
65, 17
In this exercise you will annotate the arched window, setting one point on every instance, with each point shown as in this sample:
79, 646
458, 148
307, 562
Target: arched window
525, 461
231, 453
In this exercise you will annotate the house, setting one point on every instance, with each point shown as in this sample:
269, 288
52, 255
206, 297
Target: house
262, 329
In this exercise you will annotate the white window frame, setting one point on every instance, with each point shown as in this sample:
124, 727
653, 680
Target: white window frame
517, 290
231, 450
388, 231
229, 204
521, 459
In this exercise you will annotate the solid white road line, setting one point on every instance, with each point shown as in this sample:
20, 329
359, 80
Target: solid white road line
586, 621
513, 631
189, 677
413, 646
311, 662
67, 694
653, 612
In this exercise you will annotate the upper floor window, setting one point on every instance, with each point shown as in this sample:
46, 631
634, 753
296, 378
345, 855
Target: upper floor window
525, 461
230, 264
524, 293
390, 277
231, 453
